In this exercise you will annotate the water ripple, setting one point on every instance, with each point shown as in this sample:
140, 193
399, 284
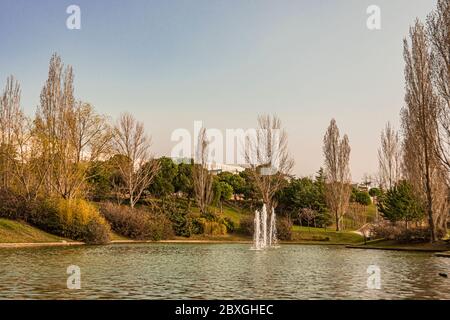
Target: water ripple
199, 271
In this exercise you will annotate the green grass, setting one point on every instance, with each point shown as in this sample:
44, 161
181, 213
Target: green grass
371, 211
115, 236
227, 237
233, 214
325, 236
21, 232
300, 234
227, 211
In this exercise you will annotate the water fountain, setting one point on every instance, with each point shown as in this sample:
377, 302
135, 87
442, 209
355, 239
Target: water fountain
273, 240
265, 235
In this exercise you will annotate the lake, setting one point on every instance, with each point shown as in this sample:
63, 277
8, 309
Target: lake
219, 271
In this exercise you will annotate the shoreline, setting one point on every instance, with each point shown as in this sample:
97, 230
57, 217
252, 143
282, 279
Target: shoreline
40, 244
198, 241
396, 248
174, 241
445, 252
438, 251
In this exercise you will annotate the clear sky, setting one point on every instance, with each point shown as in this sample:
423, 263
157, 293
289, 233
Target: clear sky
170, 62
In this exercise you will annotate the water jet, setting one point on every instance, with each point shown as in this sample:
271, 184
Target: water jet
265, 234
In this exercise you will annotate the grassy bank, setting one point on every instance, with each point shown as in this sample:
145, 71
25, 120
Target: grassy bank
321, 235
439, 246
21, 232
17, 232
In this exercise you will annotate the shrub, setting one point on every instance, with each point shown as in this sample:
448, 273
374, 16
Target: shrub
229, 224
196, 226
401, 234
75, 219
375, 192
284, 229
361, 197
181, 223
137, 223
12, 206
419, 234
209, 227
97, 231
247, 225
161, 227
385, 231
178, 214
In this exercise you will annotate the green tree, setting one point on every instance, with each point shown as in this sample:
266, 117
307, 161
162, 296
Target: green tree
375, 192
222, 192
183, 179
305, 193
361, 197
401, 204
183, 182
248, 188
234, 180
99, 182
163, 183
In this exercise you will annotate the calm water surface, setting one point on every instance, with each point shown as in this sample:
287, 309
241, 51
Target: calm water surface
219, 271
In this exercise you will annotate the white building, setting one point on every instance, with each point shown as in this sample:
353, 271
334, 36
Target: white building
220, 167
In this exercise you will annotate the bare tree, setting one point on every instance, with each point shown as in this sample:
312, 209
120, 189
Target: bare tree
20, 166
10, 119
71, 134
337, 172
438, 31
309, 215
389, 157
50, 125
29, 169
202, 178
268, 156
90, 133
139, 167
419, 119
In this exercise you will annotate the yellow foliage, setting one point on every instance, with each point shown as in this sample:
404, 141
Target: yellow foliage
213, 228
77, 211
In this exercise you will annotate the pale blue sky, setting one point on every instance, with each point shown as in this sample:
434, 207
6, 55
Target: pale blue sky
171, 62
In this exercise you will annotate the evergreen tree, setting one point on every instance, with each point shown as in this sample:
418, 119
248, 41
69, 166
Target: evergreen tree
401, 204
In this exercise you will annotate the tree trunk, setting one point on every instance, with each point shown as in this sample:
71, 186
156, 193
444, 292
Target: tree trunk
337, 222
430, 206
431, 223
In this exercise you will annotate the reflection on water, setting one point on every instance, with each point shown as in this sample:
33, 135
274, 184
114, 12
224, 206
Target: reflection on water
228, 271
